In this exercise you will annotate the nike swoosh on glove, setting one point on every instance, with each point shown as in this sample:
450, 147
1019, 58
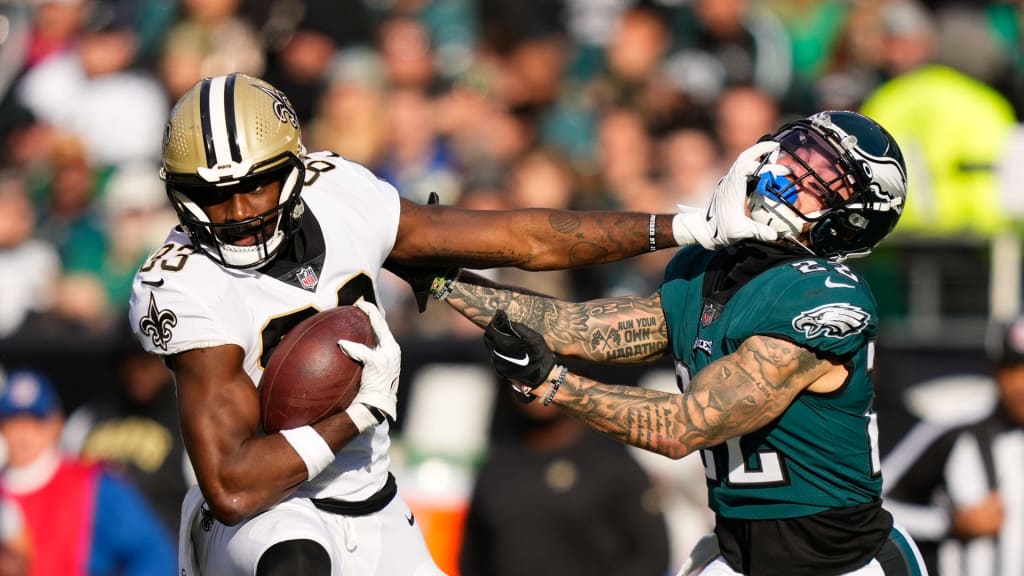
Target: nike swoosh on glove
381, 365
518, 353
723, 220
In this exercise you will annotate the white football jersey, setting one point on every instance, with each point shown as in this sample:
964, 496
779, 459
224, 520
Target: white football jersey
182, 300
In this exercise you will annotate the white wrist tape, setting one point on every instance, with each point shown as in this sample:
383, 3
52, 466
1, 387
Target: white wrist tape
361, 416
311, 447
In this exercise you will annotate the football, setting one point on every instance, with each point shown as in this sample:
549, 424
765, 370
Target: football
307, 376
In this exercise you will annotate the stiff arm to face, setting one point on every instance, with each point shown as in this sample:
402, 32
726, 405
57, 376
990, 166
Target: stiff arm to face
734, 395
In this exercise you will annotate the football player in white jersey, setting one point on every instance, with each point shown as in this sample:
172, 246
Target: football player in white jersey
269, 235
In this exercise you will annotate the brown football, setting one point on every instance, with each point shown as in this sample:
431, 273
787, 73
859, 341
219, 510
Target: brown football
308, 377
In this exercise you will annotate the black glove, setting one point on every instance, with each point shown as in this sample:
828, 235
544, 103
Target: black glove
518, 353
419, 278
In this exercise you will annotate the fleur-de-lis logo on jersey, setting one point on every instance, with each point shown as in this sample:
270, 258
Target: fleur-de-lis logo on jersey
157, 324
282, 107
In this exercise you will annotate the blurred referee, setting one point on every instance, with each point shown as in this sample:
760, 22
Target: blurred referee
960, 490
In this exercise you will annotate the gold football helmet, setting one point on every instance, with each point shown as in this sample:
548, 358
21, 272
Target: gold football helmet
230, 134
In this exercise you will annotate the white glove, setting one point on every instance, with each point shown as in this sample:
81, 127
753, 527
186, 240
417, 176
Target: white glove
381, 368
724, 219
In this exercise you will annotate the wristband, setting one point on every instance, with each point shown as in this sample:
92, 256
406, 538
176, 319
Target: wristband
441, 287
555, 383
311, 447
362, 416
651, 240
524, 394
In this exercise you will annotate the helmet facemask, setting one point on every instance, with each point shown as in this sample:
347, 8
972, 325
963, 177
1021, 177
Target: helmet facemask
861, 194
268, 230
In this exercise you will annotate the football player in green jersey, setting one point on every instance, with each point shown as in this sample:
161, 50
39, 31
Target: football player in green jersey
773, 344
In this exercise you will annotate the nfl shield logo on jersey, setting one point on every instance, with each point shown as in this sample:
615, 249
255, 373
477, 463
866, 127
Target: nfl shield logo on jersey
307, 277
710, 313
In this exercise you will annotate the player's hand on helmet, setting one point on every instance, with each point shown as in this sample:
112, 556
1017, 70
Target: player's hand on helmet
723, 220
519, 354
378, 389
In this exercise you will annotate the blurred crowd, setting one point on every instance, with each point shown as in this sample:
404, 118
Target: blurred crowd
623, 104
584, 104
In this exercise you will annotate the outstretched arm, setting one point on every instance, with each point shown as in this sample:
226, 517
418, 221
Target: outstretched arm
624, 330
734, 395
533, 239
544, 239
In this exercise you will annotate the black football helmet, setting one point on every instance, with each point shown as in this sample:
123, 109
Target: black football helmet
851, 151
226, 134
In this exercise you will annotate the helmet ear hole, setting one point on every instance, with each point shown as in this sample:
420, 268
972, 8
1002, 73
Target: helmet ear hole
857, 221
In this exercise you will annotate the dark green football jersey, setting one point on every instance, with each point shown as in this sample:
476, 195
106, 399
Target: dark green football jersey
822, 452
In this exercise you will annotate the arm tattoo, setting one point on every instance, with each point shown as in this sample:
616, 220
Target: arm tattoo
733, 396
624, 330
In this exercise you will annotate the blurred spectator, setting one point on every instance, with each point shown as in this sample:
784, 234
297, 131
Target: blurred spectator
743, 114
813, 26
625, 155
953, 130
1002, 20
555, 498
624, 72
408, 52
135, 213
29, 266
483, 131
210, 38
15, 31
528, 60
418, 161
854, 66
634, 56
15, 547
80, 518
55, 28
92, 91
728, 42
302, 47
351, 116
71, 220
135, 430
24, 143
688, 162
